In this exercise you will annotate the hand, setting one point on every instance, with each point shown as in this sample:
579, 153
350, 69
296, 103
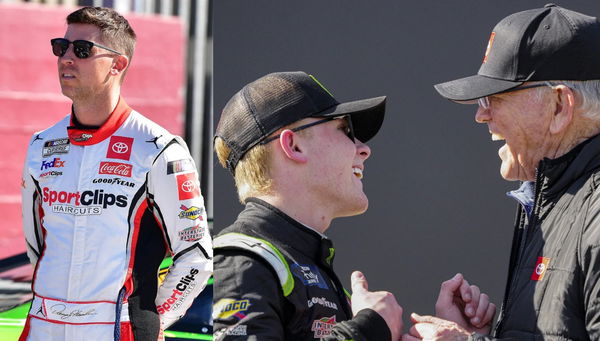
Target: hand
382, 302
429, 328
466, 305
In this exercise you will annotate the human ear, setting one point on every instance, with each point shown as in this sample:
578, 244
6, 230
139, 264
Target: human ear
119, 65
290, 145
563, 112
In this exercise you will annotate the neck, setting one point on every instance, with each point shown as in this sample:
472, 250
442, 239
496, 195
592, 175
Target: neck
300, 209
95, 111
581, 130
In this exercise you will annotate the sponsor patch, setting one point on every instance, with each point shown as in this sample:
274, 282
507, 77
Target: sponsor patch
37, 137
191, 234
113, 181
322, 327
240, 329
115, 168
58, 146
540, 268
187, 185
84, 203
54, 163
83, 137
228, 307
155, 141
50, 174
309, 275
119, 147
191, 213
321, 301
179, 166
180, 292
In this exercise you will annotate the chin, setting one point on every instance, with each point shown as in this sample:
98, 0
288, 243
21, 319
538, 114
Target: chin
359, 207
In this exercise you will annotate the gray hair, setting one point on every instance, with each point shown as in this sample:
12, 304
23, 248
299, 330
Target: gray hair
588, 91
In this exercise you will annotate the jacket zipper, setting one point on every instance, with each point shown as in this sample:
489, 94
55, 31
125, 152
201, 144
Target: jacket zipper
522, 245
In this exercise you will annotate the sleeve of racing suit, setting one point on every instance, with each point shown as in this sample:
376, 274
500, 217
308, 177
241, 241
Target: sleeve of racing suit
178, 206
248, 302
366, 325
30, 213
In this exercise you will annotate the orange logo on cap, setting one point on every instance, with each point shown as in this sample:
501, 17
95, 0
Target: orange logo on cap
489, 46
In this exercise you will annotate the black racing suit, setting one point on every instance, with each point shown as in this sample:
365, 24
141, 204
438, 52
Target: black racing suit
301, 300
553, 289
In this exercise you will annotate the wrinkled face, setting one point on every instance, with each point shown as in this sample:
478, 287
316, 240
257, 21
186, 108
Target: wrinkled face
522, 119
336, 165
84, 78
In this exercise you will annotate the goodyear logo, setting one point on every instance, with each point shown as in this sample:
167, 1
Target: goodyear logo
228, 307
191, 213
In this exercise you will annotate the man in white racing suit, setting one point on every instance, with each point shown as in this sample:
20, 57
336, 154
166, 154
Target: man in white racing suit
107, 194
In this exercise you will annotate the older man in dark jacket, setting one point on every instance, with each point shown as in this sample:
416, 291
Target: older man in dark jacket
538, 89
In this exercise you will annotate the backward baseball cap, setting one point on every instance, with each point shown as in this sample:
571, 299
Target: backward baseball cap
278, 99
542, 44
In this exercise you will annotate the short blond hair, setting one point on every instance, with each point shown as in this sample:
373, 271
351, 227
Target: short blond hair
252, 176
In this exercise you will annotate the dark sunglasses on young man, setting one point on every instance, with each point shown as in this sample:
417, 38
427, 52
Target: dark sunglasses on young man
81, 48
349, 129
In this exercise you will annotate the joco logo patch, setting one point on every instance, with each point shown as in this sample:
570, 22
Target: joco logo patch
228, 307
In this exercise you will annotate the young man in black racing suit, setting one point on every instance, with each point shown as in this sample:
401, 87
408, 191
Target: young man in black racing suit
297, 156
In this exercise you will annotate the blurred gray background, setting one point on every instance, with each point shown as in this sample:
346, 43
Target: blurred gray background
437, 201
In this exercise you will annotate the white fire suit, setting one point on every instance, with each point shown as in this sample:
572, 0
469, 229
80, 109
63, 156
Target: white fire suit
102, 206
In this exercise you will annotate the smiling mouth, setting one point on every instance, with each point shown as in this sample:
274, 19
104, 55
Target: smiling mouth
67, 75
497, 137
357, 172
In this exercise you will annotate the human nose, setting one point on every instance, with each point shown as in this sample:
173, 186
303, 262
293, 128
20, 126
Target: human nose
68, 57
362, 150
482, 115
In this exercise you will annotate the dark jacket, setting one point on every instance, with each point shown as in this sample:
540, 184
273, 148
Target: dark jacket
553, 284
304, 300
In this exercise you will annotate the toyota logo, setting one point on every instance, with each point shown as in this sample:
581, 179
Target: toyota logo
120, 148
188, 186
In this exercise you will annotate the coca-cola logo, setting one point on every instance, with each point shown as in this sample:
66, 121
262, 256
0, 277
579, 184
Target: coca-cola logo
115, 168
120, 148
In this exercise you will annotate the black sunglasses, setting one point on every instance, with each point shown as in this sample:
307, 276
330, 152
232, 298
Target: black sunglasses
81, 48
349, 128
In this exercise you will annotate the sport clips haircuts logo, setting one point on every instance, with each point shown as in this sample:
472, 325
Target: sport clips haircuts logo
85, 203
180, 292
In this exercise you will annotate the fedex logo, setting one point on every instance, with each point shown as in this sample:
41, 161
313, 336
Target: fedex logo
56, 163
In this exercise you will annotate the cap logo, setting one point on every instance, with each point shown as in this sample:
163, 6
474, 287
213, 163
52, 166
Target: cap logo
321, 85
489, 47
